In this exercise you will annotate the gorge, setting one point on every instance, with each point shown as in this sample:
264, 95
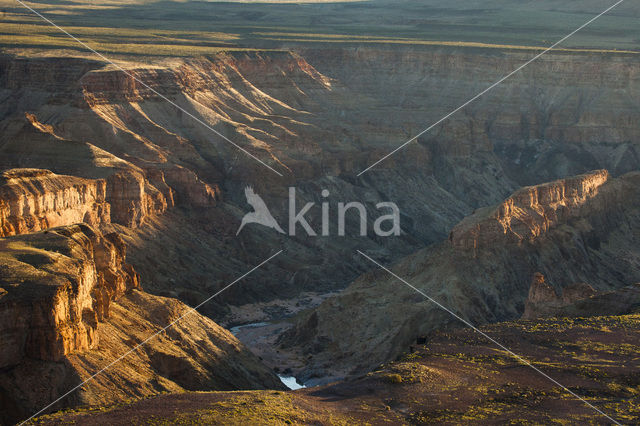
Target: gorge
122, 193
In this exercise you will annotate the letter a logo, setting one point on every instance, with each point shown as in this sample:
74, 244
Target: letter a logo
260, 213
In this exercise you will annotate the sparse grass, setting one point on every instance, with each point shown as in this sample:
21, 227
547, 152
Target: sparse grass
255, 408
199, 28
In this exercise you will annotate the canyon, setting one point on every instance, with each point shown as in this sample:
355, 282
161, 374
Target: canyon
534, 182
280, 107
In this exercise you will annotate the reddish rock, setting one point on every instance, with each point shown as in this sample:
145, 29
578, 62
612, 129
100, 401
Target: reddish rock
34, 199
528, 213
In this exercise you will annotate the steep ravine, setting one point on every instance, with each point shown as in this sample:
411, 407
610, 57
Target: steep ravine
581, 229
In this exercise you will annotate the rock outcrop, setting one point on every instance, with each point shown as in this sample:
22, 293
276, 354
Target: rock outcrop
70, 306
528, 213
543, 300
190, 190
57, 286
32, 200
133, 199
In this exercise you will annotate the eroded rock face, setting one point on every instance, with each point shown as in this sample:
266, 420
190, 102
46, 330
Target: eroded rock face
33, 199
133, 198
58, 285
543, 300
377, 317
70, 306
190, 189
528, 213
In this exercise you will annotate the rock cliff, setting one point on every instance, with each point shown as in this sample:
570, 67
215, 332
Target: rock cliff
70, 306
32, 200
52, 301
528, 213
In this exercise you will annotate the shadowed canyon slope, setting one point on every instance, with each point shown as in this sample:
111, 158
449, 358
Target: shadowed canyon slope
582, 229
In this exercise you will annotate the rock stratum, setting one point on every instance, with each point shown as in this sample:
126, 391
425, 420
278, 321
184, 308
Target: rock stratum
70, 306
528, 213
32, 200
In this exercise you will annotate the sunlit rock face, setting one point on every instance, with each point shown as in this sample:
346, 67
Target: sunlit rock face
71, 306
528, 213
32, 200
57, 286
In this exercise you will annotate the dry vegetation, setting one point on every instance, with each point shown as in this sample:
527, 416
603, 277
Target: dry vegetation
168, 28
456, 378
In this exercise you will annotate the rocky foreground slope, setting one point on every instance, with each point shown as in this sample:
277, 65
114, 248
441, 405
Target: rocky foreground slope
70, 306
576, 230
458, 377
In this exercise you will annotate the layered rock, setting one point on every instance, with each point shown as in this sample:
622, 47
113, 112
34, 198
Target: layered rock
528, 213
190, 189
133, 199
70, 307
34, 199
58, 285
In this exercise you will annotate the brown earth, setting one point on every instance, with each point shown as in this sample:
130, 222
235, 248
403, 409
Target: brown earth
458, 377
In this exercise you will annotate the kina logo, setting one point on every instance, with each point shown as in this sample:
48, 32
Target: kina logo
260, 213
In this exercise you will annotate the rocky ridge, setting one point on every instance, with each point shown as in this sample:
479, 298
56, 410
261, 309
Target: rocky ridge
527, 214
377, 316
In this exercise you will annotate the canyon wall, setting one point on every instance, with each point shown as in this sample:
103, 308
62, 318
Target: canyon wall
51, 304
576, 236
32, 200
70, 307
319, 117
